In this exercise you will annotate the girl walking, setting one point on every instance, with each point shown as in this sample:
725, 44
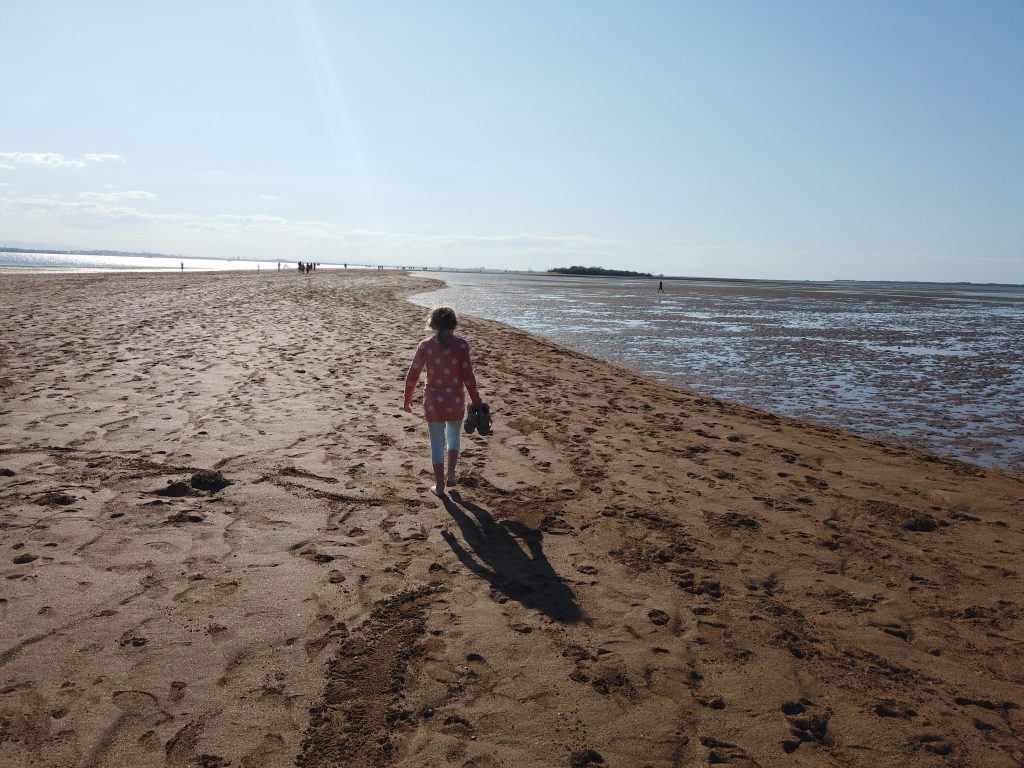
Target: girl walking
445, 357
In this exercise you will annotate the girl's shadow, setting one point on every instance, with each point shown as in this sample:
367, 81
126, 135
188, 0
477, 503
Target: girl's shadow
500, 559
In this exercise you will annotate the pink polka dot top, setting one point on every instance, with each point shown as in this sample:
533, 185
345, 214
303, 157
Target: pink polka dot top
448, 372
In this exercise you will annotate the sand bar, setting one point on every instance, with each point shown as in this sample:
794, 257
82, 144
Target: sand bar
630, 575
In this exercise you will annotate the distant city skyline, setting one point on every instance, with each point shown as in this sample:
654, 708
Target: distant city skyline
791, 140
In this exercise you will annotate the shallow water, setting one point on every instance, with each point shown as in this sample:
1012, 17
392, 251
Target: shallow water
933, 365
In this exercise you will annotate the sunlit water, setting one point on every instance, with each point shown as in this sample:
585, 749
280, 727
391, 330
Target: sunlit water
68, 262
938, 366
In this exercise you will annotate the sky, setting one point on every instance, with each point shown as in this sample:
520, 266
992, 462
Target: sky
783, 140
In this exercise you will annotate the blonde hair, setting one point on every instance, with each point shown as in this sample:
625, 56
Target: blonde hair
443, 320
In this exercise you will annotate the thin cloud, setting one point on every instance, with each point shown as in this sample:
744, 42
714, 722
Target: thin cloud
40, 159
267, 233
37, 208
10, 160
128, 194
269, 197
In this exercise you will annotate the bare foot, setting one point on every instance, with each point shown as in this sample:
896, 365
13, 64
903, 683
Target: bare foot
439, 492
451, 480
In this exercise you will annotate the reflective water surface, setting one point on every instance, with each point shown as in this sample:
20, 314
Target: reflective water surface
934, 365
74, 262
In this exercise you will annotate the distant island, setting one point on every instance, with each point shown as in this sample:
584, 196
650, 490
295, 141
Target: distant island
598, 272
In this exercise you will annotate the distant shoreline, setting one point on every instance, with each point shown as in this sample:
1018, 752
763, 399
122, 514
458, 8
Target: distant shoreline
556, 272
79, 252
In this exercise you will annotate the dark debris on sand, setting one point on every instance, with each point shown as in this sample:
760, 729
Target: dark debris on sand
209, 480
175, 489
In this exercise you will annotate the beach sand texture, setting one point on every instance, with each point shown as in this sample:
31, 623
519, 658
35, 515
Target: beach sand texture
630, 575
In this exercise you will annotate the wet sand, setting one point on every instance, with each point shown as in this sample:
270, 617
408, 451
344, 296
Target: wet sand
627, 574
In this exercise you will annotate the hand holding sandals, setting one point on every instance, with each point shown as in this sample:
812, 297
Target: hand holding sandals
478, 418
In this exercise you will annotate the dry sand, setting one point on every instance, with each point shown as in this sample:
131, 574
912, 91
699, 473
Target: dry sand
630, 575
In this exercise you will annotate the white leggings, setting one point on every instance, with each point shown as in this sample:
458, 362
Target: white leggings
439, 430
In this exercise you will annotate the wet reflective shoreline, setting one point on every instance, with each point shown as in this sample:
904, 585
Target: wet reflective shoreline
935, 366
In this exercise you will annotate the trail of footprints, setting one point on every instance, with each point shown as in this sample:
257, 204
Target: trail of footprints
724, 593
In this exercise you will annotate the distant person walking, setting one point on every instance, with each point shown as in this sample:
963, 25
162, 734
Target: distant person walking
183, 266
445, 357
661, 287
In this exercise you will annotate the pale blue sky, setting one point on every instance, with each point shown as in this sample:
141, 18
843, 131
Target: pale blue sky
820, 140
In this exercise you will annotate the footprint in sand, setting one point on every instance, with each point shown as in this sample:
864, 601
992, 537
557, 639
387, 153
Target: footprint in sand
313, 555
808, 723
934, 743
658, 617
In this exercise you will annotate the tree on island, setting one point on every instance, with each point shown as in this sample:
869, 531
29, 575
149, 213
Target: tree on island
598, 272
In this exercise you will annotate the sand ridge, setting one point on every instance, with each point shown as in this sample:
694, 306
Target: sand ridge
626, 575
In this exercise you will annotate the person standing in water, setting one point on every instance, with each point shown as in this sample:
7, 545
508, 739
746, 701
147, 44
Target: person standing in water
445, 357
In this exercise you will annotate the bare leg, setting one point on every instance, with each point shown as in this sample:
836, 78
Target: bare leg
453, 457
438, 489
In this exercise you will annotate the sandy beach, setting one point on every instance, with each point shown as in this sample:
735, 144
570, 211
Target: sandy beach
218, 549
